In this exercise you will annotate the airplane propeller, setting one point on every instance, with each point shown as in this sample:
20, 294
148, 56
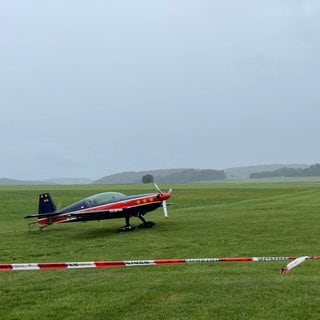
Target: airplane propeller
164, 202
165, 210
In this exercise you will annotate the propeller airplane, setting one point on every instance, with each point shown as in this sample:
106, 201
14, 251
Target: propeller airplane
102, 206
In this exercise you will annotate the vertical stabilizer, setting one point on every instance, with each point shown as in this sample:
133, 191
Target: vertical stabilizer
46, 204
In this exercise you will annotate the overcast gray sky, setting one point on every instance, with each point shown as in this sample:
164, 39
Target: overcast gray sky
92, 88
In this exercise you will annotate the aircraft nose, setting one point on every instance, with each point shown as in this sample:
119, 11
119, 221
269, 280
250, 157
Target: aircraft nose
165, 196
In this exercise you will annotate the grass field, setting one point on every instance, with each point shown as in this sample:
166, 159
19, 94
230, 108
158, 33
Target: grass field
206, 220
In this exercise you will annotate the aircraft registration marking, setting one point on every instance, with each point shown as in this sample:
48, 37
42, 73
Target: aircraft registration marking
116, 210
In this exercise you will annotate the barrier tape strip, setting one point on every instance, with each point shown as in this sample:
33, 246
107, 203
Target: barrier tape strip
129, 263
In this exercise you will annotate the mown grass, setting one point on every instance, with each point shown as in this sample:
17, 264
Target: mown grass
206, 220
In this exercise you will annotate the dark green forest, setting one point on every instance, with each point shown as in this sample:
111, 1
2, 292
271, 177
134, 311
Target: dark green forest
313, 170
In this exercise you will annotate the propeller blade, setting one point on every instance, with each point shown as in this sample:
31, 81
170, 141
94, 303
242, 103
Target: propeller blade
158, 189
165, 210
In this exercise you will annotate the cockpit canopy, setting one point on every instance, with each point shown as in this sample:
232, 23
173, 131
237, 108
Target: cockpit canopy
102, 198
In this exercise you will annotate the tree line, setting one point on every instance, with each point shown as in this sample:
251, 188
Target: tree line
313, 170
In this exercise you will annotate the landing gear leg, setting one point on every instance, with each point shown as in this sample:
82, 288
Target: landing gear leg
145, 223
127, 226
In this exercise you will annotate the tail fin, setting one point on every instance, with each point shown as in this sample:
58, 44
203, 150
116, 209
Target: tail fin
46, 204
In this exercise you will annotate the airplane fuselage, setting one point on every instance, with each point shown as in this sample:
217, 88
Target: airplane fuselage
128, 206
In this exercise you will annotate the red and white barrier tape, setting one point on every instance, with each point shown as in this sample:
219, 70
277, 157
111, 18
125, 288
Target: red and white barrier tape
128, 263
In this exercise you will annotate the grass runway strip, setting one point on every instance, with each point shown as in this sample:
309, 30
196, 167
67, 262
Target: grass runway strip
206, 220
128, 263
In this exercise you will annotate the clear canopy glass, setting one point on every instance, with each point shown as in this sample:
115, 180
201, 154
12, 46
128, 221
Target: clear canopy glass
102, 198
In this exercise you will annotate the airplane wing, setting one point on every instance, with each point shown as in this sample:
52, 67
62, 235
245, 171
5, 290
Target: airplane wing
82, 213
77, 214
102, 213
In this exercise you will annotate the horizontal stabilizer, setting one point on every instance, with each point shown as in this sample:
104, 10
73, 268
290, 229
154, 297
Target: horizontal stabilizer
39, 216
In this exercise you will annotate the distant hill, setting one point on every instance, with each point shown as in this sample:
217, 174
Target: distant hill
194, 175
68, 181
5, 181
134, 176
245, 172
180, 175
164, 176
